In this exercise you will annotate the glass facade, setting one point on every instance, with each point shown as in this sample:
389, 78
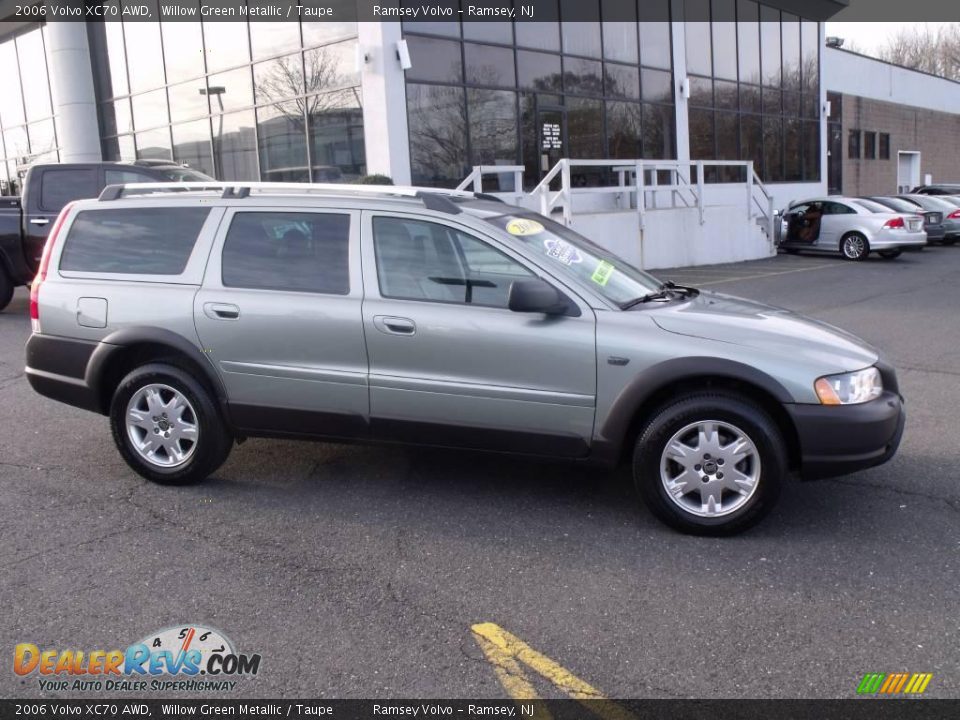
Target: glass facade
28, 132
530, 93
754, 88
275, 101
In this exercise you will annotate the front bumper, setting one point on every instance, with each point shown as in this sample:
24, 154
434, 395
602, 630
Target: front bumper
841, 439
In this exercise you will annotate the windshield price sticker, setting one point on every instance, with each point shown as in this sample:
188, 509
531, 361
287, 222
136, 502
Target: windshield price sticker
562, 251
601, 276
522, 227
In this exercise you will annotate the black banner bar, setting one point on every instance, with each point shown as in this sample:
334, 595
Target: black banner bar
854, 709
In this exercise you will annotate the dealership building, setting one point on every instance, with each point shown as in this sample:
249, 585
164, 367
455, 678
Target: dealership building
682, 81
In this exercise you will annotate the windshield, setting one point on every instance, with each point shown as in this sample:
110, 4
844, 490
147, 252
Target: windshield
179, 174
570, 254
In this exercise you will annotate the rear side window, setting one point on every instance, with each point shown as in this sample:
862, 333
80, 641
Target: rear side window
302, 252
58, 187
140, 241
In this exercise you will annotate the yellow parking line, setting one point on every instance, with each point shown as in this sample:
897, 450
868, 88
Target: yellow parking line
505, 651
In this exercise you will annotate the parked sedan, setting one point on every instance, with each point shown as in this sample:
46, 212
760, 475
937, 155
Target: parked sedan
933, 220
951, 218
849, 227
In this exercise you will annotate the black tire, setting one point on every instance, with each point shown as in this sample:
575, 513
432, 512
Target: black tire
854, 246
890, 254
213, 439
754, 422
6, 289
949, 241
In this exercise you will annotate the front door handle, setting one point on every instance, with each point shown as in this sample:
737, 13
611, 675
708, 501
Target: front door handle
221, 311
40, 221
395, 325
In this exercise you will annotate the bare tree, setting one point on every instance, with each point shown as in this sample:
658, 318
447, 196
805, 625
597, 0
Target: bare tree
934, 50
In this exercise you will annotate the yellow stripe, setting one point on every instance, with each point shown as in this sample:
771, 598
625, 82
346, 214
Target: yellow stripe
923, 685
506, 648
910, 685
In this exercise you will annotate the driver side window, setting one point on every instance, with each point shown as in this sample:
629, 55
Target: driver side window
418, 260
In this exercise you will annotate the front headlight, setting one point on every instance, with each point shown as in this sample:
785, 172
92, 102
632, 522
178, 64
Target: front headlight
849, 388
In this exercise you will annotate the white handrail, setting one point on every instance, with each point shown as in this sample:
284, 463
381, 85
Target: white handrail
475, 178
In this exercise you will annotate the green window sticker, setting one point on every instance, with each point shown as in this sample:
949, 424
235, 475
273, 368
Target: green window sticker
601, 276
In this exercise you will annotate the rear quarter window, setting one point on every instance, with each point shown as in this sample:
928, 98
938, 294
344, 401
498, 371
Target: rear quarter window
58, 186
139, 241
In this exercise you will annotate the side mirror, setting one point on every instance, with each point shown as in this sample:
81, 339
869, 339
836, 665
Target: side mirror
539, 296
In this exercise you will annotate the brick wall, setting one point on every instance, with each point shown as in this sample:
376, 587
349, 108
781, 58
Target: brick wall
936, 135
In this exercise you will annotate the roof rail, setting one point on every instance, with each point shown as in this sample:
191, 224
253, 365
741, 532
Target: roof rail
439, 199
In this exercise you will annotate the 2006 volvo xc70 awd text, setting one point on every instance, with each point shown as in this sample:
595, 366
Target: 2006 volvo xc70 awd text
197, 318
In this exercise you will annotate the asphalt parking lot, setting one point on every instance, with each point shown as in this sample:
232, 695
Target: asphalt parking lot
359, 571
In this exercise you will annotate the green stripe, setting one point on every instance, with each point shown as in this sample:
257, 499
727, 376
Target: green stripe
865, 683
878, 681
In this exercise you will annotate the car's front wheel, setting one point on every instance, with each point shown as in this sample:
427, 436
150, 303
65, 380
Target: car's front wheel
710, 464
166, 425
854, 247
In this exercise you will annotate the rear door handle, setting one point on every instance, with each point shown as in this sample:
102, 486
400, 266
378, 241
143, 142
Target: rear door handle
221, 311
395, 325
40, 221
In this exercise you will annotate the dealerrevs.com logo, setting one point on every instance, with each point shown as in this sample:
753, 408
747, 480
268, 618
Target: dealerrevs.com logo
186, 658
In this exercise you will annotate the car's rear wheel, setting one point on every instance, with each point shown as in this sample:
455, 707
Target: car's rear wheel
6, 289
166, 425
854, 247
710, 464
890, 254
949, 241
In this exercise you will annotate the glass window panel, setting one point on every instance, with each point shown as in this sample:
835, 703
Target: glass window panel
188, 100
489, 65
336, 135
144, 53
810, 56
750, 98
697, 35
585, 128
701, 92
853, 144
343, 22
33, 74
655, 44
621, 81
772, 101
16, 145
773, 148
495, 32
43, 140
748, 40
584, 77
728, 136
59, 186
791, 103
544, 34
146, 241
282, 78
230, 90
790, 32
226, 44
182, 50
434, 60
869, 145
620, 37
300, 252
438, 134
624, 130
117, 118
583, 36
235, 146
657, 86
116, 58
793, 168
724, 40
282, 135
150, 109
539, 71
126, 150
154, 145
191, 145
331, 67
268, 39
702, 135
725, 95
810, 105
448, 28
884, 145
811, 151
11, 98
493, 133
751, 141
770, 45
